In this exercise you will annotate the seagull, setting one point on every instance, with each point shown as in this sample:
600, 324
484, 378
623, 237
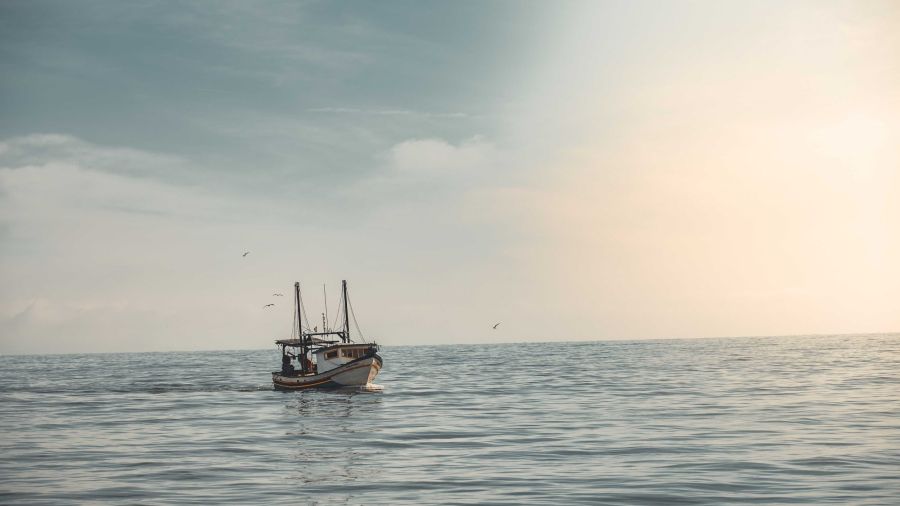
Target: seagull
277, 295
497, 325
267, 305
245, 254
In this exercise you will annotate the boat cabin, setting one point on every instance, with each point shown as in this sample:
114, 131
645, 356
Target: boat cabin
336, 356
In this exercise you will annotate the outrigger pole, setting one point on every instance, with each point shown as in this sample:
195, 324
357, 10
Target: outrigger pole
303, 342
346, 335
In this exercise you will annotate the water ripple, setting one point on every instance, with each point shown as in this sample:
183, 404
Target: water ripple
811, 420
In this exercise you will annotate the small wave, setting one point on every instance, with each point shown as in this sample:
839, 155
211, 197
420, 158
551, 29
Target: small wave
663, 422
142, 389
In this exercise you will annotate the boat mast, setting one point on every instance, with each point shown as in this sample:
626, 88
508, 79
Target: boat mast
303, 342
346, 316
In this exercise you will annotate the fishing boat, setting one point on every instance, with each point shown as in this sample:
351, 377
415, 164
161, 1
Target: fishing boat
328, 358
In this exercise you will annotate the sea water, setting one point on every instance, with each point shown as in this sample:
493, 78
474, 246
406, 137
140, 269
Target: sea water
780, 420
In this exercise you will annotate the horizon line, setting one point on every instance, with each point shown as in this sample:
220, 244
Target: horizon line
648, 339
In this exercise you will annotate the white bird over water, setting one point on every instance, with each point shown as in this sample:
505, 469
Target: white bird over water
245, 254
497, 325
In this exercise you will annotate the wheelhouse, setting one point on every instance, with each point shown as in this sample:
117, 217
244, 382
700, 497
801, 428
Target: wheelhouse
331, 357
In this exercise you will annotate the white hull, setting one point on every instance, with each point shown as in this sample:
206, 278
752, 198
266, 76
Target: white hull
357, 373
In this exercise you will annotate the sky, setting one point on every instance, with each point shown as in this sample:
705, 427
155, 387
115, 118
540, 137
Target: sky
574, 170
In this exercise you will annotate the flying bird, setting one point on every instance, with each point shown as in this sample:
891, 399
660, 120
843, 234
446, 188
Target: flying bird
267, 305
497, 325
245, 254
277, 295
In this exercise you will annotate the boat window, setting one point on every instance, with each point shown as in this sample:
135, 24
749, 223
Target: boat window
330, 354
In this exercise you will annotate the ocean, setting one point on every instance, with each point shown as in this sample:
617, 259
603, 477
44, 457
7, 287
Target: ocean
774, 420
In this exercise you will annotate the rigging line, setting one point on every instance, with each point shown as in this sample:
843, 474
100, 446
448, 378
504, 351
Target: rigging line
305, 314
337, 316
353, 314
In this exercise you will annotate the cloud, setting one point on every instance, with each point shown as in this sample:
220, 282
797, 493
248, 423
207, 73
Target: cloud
640, 182
98, 255
437, 156
389, 112
42, 174
44, 149
96, 258
432, 173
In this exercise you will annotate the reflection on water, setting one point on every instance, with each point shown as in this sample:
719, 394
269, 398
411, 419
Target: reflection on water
766, 420
327, 427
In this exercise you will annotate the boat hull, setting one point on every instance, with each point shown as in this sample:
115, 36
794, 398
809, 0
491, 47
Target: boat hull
357, 373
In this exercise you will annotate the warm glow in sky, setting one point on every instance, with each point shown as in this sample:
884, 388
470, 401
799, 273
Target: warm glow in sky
576, 170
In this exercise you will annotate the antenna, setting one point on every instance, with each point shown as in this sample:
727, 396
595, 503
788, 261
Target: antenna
325, 314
